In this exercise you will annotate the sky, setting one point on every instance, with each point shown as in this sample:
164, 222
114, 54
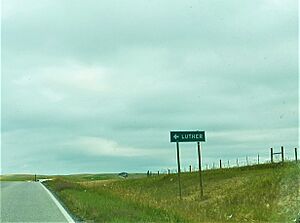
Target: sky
97, 86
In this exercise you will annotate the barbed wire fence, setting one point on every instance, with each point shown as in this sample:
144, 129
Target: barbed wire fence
241, 161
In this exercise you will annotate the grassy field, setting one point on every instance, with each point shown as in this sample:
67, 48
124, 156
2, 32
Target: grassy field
74, 177
97, 177
263, 193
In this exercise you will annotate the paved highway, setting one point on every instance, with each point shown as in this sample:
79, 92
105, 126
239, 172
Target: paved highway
28, 202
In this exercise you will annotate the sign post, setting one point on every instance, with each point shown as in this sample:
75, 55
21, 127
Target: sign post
200, 171
178, 165
188, 136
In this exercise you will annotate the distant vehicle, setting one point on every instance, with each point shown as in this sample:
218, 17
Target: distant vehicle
123, 174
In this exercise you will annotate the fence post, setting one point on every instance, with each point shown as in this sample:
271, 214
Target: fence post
296, 157
247, 161
271, 155
228, 164
282, 154
258, 158
237, 162
190, 168
158, 172
220, 164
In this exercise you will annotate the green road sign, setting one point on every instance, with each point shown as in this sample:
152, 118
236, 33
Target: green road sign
187, 136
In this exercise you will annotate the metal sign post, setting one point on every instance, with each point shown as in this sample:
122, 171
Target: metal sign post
188, 136
178, 165
200, 171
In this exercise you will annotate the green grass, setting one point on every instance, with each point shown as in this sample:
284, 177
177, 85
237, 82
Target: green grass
99, 205
263, 193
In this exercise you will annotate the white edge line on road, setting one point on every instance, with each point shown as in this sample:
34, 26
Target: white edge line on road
60, 207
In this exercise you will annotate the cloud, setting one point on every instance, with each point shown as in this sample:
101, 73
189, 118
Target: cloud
104, 147
112, 77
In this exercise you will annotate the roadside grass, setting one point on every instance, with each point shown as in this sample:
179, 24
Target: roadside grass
261, 193
103, 206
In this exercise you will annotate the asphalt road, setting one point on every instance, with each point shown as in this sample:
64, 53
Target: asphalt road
27, 202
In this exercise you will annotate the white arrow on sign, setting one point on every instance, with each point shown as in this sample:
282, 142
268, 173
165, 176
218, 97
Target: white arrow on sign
175, 137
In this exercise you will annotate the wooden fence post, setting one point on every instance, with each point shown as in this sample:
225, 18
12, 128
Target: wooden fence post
282, 154
296, 157
271, 155
190, 168
258, 158
237, 162
220, 164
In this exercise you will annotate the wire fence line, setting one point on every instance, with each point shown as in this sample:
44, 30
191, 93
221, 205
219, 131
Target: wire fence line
274, 157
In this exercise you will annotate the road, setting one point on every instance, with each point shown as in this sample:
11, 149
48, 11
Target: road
28, 202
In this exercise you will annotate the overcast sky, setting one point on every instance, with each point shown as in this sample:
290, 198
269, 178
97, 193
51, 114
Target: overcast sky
96, 86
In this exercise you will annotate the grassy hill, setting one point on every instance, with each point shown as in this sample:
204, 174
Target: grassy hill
261, 193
